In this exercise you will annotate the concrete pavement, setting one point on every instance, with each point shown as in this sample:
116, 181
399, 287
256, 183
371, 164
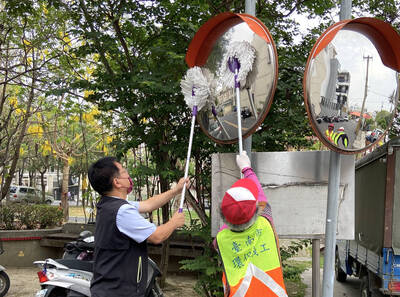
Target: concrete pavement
350, 288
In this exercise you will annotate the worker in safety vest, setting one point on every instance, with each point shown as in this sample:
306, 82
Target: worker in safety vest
340, 135
329, 133
249, 246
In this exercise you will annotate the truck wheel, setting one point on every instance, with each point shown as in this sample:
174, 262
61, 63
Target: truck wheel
340, 275
364, 287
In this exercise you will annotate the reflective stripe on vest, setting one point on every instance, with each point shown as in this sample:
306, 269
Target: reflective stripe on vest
336, 137
253, 271
256, 247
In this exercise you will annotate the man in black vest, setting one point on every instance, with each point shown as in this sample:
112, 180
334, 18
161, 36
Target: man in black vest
120, 257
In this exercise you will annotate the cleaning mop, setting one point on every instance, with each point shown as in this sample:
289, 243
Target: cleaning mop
195, 88
213, 96
236, 64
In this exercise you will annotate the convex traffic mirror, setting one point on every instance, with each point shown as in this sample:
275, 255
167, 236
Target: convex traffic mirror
207, 50
351, 84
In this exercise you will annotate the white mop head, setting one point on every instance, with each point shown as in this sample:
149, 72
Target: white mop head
195, 87
245, 53
212, 82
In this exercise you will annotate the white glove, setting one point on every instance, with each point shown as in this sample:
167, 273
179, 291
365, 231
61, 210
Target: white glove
243, 160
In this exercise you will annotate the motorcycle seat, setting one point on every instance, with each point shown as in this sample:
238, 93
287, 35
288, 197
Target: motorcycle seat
77, 264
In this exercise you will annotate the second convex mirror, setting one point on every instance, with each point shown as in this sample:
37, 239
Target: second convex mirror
351, 84
209, 50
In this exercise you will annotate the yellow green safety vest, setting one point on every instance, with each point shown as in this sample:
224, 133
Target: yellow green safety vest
252, 253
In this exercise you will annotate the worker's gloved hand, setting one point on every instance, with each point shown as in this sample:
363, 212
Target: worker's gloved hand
243, 160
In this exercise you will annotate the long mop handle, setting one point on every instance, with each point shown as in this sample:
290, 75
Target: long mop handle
194, 113
238, 111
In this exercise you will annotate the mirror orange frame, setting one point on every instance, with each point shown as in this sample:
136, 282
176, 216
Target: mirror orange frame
203, 41
381, 34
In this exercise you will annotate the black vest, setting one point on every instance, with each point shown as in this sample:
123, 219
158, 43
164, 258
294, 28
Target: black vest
120, 263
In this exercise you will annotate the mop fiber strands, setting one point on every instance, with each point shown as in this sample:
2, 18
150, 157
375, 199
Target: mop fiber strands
195, 88
245, 54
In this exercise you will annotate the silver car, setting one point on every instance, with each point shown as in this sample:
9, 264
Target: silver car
28, 194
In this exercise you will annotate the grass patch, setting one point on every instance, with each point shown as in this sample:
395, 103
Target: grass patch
295, 288
292, 272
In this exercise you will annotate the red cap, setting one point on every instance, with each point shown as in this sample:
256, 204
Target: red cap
240, 202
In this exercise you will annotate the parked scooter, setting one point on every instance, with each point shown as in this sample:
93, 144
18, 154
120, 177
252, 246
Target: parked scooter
4, 279
70, 276
81, 249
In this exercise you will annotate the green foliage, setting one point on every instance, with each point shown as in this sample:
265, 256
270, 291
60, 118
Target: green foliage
292, 270
383, 119
18, 216
207, 265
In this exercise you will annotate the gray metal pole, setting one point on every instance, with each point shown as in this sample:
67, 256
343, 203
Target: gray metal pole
345, 10
333, 198
331, 223
250, 8
315, 268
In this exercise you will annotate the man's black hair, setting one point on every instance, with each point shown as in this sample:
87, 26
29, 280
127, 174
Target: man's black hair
101, 174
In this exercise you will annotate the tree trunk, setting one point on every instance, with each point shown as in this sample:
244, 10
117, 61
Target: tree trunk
64, 190
165, 244
18, 143
43, 185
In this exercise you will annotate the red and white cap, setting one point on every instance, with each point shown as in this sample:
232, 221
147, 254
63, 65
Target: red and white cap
240, 202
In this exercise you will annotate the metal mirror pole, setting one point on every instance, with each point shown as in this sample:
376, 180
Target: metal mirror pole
333, 197
250, 8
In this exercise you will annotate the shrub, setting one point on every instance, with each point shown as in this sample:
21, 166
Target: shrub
29, 216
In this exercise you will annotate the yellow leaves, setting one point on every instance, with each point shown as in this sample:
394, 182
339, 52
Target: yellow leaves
144, 121
70, 161
26, 42
20, 111
46, 148
87, 93
89, 117
96, 57
13, 101
109, 139
67, 40
45, 10
105, 150
29, 60
21, 151
77, 136
89, 70
61, 34
35, 130
46, 51
84, 183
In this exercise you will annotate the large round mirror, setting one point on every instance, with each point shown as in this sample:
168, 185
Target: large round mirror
207, 50
351, 84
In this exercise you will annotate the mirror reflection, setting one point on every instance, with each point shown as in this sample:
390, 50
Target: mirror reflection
219, 121
351, 94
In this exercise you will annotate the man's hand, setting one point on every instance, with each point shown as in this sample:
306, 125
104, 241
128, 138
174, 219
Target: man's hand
243, 160
178, 188
178, 219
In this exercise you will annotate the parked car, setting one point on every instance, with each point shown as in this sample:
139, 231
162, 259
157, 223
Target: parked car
28, 194
246, 113
327, 119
